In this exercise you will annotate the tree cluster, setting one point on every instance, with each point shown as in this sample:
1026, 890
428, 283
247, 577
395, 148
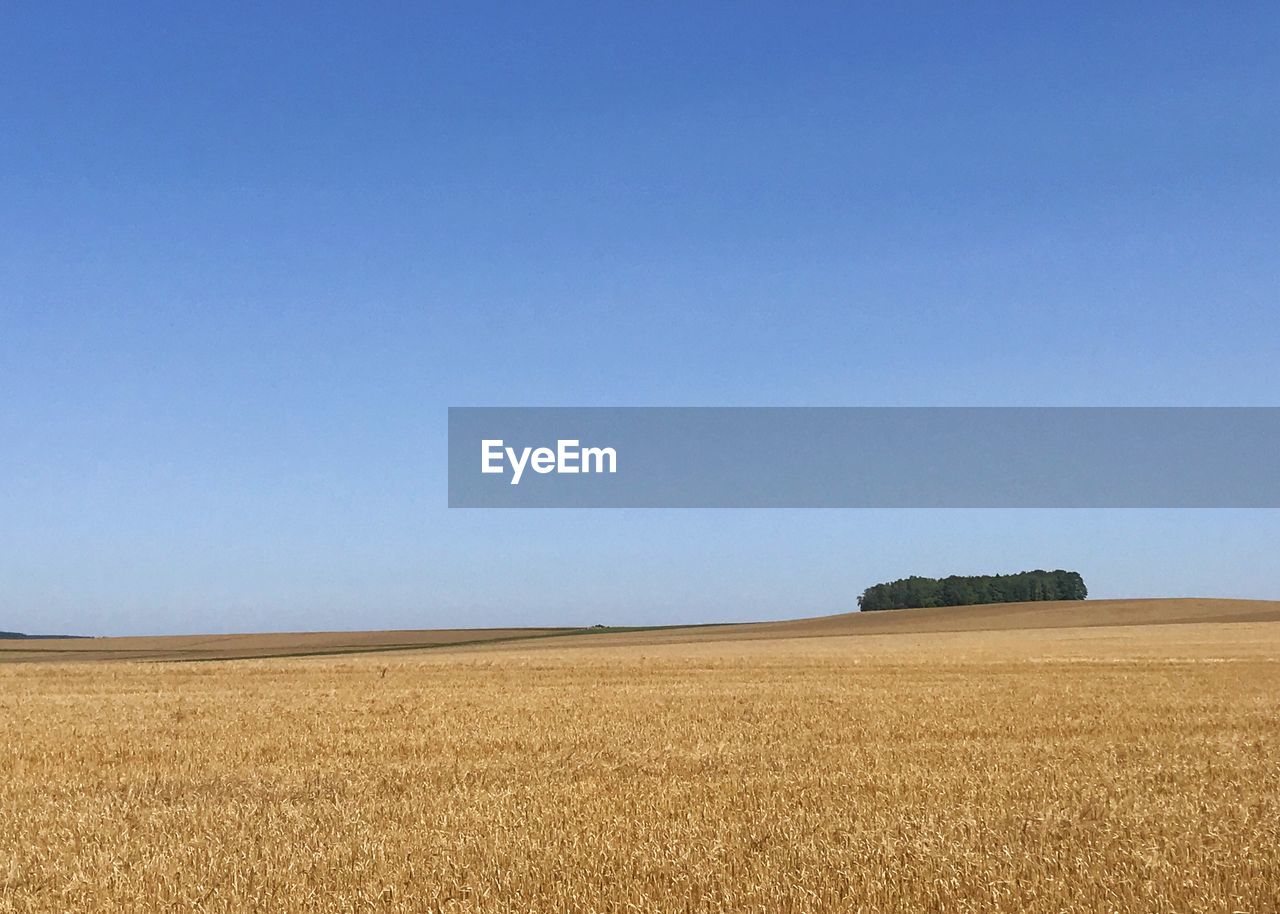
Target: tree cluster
967, 590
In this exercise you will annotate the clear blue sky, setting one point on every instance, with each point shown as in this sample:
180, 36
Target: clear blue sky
250, 253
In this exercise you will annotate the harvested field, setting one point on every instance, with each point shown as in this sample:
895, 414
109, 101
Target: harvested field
988, 617
231, 647
992, 617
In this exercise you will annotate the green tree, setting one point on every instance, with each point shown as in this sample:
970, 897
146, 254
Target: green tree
969, 590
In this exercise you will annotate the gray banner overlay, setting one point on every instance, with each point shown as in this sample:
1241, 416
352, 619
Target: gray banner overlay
864, 457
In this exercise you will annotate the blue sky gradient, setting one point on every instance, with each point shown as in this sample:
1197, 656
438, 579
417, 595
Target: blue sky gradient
250, 255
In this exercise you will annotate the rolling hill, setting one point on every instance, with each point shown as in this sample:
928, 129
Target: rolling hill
987, 617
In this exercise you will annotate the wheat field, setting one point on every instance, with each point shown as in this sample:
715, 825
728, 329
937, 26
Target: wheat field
1116, 769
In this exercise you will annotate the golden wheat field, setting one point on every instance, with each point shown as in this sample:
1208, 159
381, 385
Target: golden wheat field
1123, 768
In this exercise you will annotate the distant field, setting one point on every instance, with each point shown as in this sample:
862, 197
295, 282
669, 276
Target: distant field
835, 765
231, 647
990, 617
